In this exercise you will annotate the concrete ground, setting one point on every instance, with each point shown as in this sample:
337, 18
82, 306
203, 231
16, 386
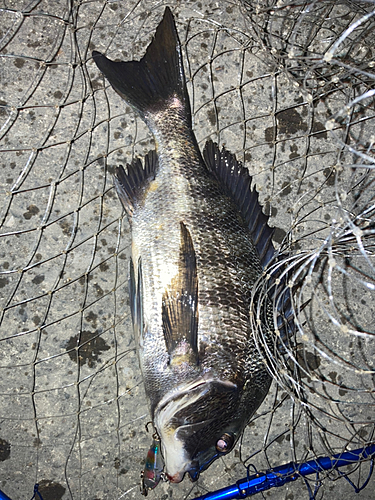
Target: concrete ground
72, 405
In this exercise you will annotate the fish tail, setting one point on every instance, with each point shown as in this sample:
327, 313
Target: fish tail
149, 85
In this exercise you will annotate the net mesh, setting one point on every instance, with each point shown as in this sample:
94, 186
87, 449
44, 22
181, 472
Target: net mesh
289, 88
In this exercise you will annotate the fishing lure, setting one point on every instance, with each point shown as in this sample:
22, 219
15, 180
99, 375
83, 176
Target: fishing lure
154, 466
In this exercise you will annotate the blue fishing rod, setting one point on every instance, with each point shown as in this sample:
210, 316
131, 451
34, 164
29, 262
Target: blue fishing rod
275, 477
287, 473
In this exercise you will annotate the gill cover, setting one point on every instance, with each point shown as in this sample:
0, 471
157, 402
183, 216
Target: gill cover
190, 421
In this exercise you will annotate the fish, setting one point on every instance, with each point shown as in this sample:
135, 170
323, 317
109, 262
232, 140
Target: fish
200, 242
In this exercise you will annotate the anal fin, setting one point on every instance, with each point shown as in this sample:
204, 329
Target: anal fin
129, 183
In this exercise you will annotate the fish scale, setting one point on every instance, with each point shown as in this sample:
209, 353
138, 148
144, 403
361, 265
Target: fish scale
200, 241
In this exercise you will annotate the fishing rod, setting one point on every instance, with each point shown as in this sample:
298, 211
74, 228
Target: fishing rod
278, 476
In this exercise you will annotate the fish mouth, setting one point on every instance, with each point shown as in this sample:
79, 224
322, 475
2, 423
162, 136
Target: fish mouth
176, 478
193, 472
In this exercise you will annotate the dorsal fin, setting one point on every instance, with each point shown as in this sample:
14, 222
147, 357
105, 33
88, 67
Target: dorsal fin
236, 182
180, 301
129, 184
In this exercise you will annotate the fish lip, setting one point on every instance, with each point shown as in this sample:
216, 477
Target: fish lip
176, 478
193, 472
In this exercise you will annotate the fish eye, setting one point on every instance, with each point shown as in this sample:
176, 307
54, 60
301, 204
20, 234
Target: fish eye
225, 443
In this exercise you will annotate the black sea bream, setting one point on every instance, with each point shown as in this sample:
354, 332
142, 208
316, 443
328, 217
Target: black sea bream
199, 243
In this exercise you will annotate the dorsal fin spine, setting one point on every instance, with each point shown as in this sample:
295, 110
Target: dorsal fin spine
236, 181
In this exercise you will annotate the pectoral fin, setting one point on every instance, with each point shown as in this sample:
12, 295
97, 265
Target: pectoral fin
136, 299
180, 301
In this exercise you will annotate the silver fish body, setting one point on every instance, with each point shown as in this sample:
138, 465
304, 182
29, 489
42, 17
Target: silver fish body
199, 243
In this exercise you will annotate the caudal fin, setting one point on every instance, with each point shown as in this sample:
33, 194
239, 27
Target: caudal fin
147, 85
